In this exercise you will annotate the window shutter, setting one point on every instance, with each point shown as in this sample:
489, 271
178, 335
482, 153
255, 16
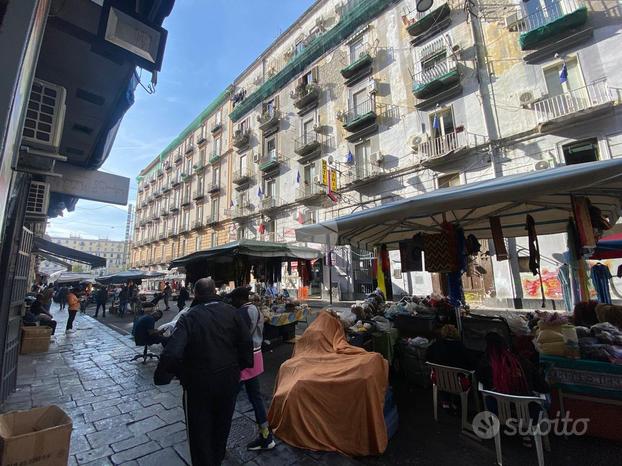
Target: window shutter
315, 74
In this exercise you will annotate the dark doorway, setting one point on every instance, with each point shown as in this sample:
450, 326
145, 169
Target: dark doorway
581, 151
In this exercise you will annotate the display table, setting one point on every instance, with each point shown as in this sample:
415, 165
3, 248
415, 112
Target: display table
587, 389
283, 325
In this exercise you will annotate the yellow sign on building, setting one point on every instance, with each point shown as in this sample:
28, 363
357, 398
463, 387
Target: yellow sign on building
324, 172
333, 180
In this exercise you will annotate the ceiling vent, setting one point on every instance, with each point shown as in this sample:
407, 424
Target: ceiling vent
45, 116
38, 199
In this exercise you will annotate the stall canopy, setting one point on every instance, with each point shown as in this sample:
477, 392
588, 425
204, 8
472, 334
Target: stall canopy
47, 248
610, 247
128, 275
69, 277
543, 194
250, 248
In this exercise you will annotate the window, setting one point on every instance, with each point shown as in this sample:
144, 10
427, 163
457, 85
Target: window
216, 175
362, 154
199, 214
357, 49
214, 209
581, 151
243, 125
299, 47
442, 123
219, 117
214, 239
183, 246
197, 243
431, 62
217, 145
201, 160
307, 130
359, 102
270, 148
188, 166
200, 183
269, 107
270, 188
309, 174
447, 181
243, 163
202, 131
575, 79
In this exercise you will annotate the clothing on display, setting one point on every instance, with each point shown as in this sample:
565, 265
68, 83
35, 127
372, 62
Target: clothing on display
497, 239
600, 279
581, 208
440, 253
411, 254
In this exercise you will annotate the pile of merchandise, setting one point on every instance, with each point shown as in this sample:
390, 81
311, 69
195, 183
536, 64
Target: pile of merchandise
275, 307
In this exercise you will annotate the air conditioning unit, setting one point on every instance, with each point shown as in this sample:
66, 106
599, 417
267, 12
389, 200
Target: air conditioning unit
45, 118
256, 157
415, 141
38, 199
317, 180
372, 86
526, 99
544, 164
378, 157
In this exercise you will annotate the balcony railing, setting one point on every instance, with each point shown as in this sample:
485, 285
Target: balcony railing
189, 149
269, 203
163, 212
162, 235
184, 228
213, 187
438, 147
311, 190
423, 21
197, 224
216, 128
239, 211
186, 201
360, 115
307, 143
199, 166
212, 220
241, 138
305, 95
578, 100
547, 14
243, 175
214, 157
199, 194
172, 231
269, 120
270, 161
444, 72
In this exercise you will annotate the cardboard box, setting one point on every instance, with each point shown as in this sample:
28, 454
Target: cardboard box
35, 339
39, 436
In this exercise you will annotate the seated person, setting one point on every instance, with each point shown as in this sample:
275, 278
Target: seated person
144, 330
38, 310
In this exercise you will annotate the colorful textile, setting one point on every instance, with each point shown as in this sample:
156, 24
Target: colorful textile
601, 275
288, 317
329, 395
439, 254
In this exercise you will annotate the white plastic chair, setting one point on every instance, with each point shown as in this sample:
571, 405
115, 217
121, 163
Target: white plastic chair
516, 409
447, 379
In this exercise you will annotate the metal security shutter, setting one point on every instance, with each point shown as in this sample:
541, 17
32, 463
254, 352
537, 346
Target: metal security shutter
19, 288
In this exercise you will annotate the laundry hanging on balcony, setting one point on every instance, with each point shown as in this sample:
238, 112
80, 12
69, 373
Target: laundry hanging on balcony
350, 158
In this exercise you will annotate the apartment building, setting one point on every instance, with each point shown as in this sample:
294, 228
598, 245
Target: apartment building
112, 251
361, 103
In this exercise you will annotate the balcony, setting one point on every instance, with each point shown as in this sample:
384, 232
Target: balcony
160, 173
269, 203
185, 228
162, 235
213, 188
217, 128
211, 220
197, 224
178, 158
186, 177
199, 166
176, 182
155, 215
153, 180
186, 201
362, 173
578, 104
424, 25
202, 140
358, 69
168, 166
157, 193
311, 194
241, 138
198, 195
163, 212
242, 177
270, 162
166, 188
174, 208
239, 212
446, 148
557, 18
269, 121
308, 146
360, 120
306, 97
214, 158
439, 80
189, 149
172, 231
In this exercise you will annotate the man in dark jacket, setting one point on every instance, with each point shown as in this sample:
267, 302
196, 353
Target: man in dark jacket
208, 348
101, 298
183, 297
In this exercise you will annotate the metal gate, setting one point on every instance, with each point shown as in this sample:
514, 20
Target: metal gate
18, 289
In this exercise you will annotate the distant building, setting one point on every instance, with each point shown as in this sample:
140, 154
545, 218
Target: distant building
112, 251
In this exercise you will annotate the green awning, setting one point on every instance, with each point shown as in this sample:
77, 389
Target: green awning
529, 40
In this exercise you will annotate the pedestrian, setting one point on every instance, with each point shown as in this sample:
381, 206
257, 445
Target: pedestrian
124, 297
73, 306
47, 296
208, 348
167, 292
41, 315
183, 297
144, 330
101, 298
249, 378
62, 297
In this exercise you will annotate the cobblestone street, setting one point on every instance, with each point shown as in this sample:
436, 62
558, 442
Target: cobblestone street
121, 417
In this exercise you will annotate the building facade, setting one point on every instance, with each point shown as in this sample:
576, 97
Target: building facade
112, 251
361, 103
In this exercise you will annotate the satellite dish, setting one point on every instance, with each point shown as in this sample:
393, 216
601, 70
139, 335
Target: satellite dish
424, 5
330, 159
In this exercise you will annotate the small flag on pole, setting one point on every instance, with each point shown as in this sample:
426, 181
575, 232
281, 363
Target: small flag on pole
563, 74
262, 228
259, 192
436, 124
301, 218
298, 177
349, 158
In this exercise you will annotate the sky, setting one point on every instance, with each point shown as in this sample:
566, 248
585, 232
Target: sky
210, 42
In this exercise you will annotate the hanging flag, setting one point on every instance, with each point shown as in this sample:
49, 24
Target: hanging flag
436, 124
298, 177
379, 272
262, 228
350, 158
259, 192
563, 74
301, 218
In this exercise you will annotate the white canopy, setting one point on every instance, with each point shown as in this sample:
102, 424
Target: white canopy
543, 194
